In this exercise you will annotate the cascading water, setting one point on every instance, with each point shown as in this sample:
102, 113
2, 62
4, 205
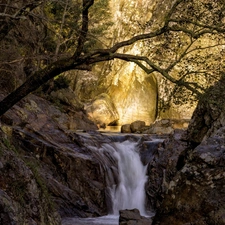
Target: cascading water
126, 177
129, 193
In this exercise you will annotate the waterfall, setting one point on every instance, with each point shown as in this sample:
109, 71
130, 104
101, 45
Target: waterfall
125, 177
129, 193
126, 174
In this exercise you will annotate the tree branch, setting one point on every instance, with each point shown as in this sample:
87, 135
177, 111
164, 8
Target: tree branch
83, 33
20, 14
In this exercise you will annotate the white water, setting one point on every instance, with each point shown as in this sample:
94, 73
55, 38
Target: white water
104, 220
129, 193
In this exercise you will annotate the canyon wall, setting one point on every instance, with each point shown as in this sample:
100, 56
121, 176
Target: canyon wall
132, 94
119, 92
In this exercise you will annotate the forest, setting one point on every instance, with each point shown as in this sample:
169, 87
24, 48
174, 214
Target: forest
43, 39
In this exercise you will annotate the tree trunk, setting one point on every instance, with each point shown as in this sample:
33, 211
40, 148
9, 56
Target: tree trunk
34, 82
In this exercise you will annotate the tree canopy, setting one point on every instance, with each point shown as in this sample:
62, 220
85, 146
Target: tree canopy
42, 39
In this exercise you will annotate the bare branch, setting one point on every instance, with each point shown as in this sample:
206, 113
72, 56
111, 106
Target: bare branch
20, 14
83, 33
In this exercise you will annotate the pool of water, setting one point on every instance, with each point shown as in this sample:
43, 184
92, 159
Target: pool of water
104, 220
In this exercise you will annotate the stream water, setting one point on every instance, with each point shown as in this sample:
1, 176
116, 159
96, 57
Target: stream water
129, 193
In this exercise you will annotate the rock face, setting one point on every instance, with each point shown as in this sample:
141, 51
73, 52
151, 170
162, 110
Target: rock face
134, 96
102, 110
134, 93
196, 194
163, 159
209, 115
130, 89
45, 169
24, 198
130, 96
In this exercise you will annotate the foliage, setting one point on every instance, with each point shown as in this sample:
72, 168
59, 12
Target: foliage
47, 31
191, 50
50, 37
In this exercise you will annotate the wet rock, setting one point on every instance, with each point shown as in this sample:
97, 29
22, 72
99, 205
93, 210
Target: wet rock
164, 159
133, 217
72, 175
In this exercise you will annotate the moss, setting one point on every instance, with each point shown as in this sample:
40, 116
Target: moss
7, 143
18, 188
48, 204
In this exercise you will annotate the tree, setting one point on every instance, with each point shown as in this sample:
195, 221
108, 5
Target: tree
184, 26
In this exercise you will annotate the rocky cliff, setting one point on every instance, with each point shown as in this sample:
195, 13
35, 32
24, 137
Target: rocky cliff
194, 194
46, 172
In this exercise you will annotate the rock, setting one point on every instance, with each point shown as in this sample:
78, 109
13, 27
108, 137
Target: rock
137, 126
166, 126
70, 172
68, 97
159, 130
66, 117
125, 128
102, 110
160, 127
133, 217
43, 161
209, 114
164, 159
196, 194
23, 194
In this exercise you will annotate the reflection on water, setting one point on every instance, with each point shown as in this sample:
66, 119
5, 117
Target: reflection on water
111, 129
104, 220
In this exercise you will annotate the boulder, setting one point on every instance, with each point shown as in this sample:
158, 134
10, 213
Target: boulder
133, 217
166, 126
102, 110
38, 112
137, 126
194, 186
125, 128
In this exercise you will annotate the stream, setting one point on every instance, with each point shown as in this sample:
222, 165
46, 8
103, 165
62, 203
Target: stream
129, 193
